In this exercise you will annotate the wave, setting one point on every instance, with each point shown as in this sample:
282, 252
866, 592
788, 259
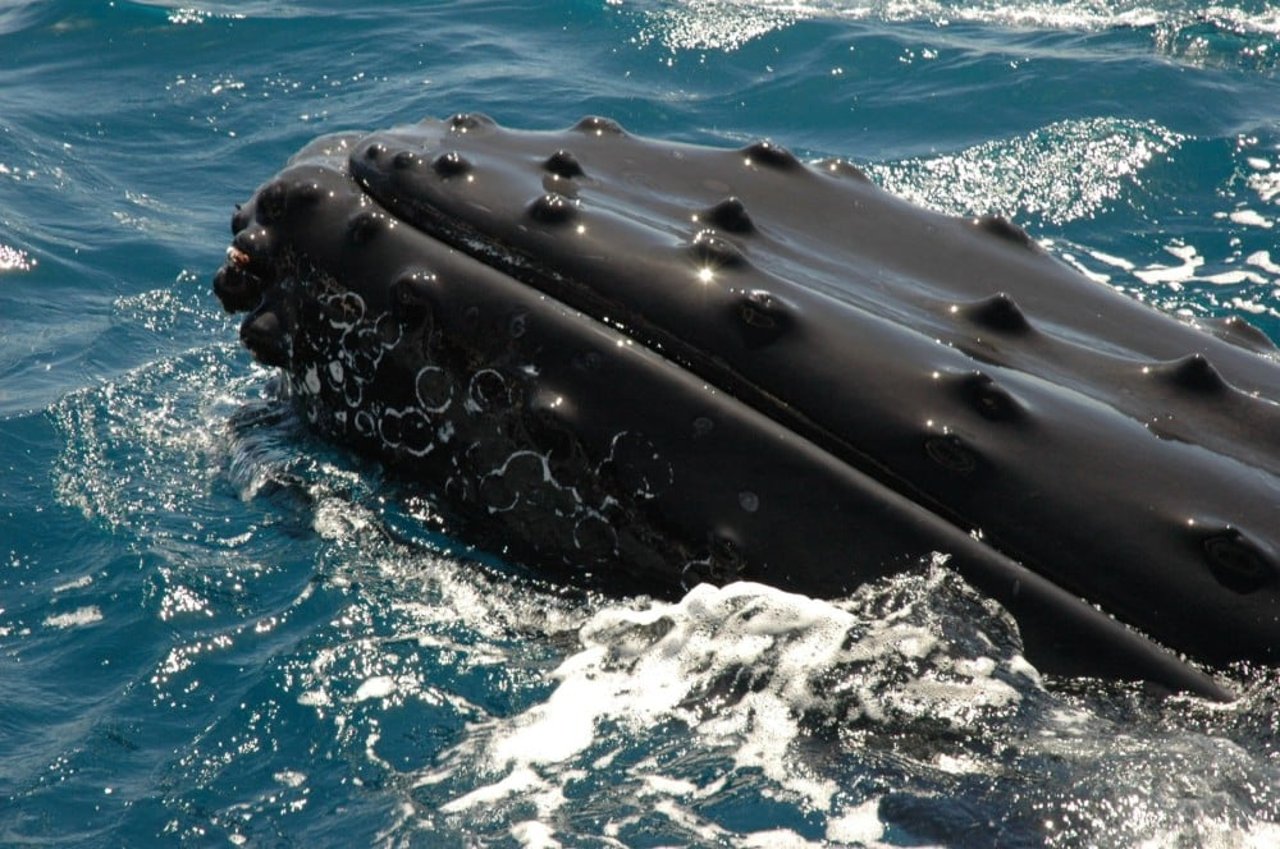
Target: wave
1195, 32
1062, 172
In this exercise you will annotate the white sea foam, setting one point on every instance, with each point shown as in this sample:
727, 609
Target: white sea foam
1266, 184
1250, 218
75, 618
1262, 260
535, 835
377, 687
1159, 273
752, 672
74, 584
290, 778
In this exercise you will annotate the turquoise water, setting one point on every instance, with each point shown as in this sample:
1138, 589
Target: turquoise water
217, 630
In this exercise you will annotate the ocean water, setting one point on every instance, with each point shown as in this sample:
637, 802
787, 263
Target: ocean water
216, 629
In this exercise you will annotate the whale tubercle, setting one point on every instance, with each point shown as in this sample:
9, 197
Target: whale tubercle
730, 214
1237, 562
998, 225
714, 251
470, 122
762, 317
1193, 373
594, 125
564, 164
999, 312
450, 164
552, 208
771, 154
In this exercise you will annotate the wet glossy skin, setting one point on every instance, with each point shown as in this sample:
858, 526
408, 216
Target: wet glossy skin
660, 363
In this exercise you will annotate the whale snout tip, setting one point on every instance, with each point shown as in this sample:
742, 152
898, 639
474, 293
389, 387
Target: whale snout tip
266, 336
236, 287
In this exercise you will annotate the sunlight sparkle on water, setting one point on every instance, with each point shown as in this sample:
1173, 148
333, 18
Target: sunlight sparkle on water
12, 259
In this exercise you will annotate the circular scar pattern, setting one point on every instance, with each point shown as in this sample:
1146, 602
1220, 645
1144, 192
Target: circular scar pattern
468, 418
648, 365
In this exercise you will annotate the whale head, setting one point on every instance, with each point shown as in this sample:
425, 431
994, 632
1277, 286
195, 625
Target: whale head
651, 364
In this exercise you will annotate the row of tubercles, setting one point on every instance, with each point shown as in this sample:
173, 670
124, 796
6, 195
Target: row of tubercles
762, 317
997, 313
474, 122
447, 164
1235, 561
1001, 314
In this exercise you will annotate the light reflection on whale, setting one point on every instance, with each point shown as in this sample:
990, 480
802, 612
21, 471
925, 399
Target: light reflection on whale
652, 365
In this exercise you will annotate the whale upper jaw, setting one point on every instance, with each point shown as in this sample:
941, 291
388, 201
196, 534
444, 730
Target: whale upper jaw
662, 363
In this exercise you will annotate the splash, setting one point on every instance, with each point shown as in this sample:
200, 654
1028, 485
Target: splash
756, 677
744, 716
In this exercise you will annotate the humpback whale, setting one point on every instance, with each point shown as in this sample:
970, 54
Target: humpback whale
642, 364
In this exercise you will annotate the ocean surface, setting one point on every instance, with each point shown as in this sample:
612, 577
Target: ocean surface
217, 630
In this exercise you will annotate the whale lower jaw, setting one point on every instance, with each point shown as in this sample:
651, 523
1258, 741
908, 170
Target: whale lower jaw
613, 381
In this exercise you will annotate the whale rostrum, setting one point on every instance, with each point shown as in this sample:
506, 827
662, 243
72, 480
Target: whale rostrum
645, 365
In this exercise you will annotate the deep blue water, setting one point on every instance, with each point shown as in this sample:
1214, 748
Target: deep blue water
216, 629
